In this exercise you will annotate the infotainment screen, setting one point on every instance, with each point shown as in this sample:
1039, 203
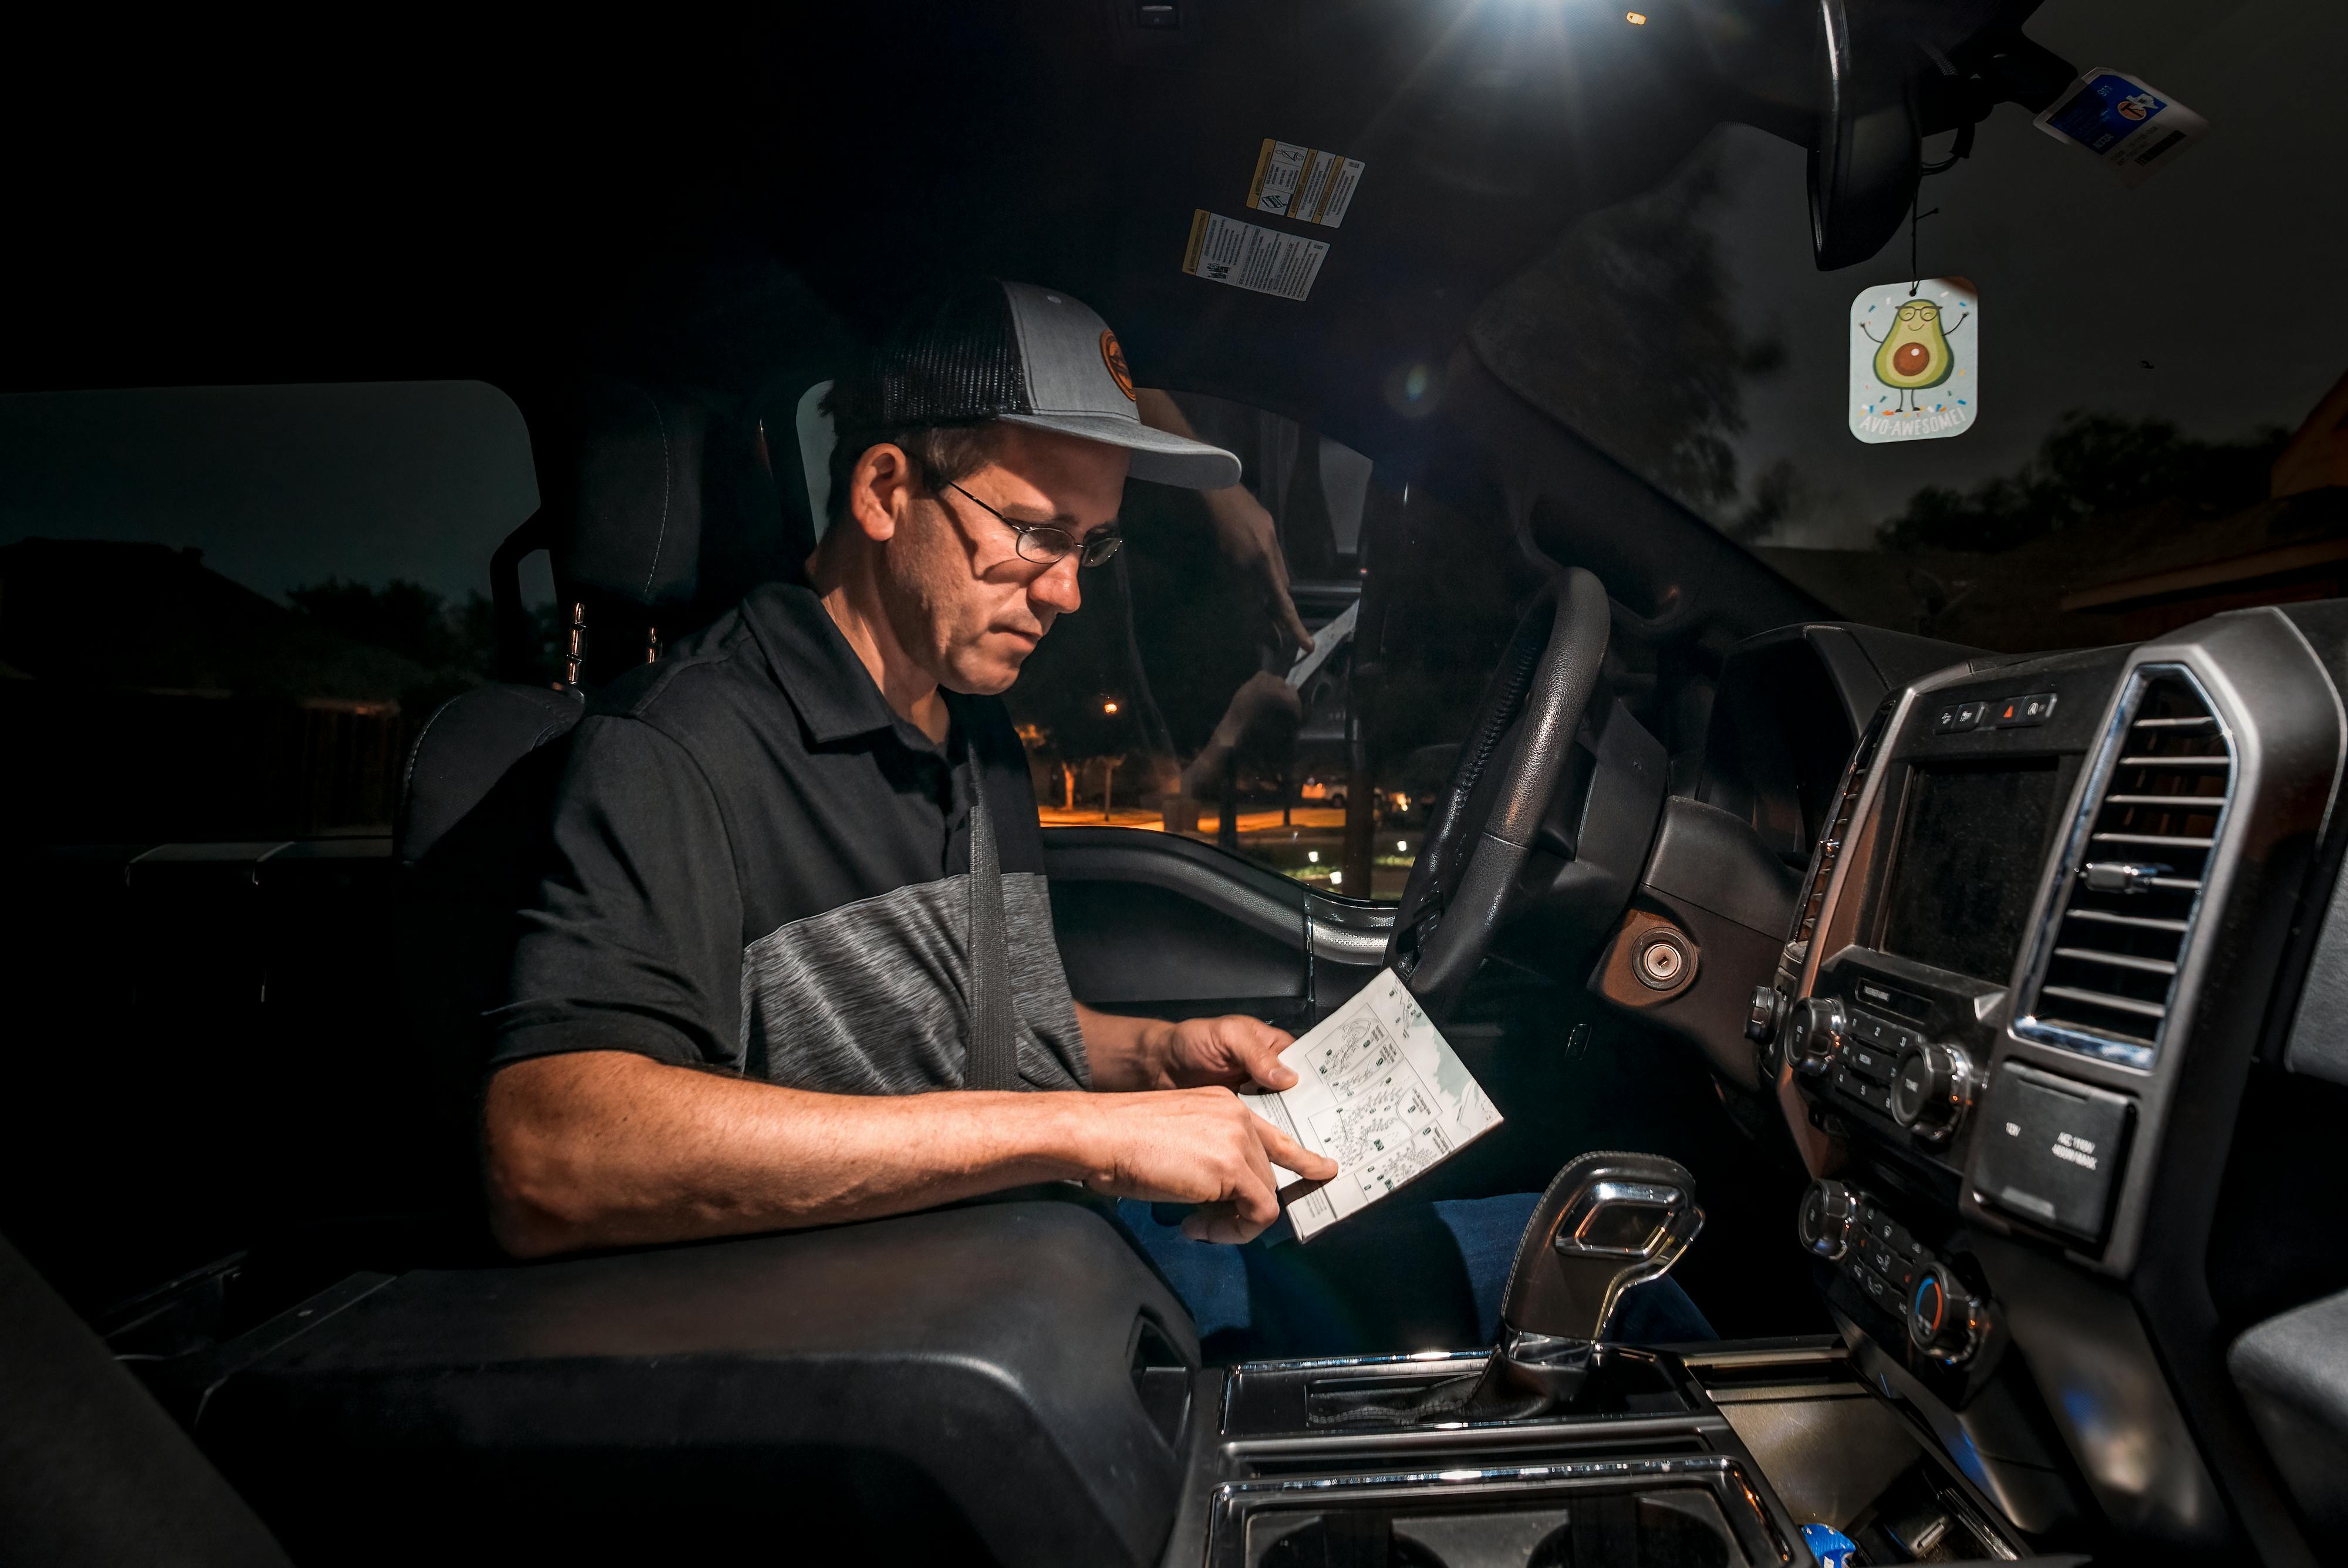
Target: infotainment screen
1973, 842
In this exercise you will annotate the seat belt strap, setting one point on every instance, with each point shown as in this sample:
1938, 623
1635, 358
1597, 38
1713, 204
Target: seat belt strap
993, 1045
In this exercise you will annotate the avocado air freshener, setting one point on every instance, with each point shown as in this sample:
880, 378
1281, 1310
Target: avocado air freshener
1915, 360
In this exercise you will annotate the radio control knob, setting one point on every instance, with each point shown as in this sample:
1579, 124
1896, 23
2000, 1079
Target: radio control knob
1932, 1089
1818, 1024
1944, 1319
1824, 1223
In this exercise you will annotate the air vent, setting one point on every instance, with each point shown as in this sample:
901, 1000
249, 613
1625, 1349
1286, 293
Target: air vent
2132, 881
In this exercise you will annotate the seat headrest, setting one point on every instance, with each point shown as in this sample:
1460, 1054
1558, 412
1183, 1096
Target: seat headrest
636, 528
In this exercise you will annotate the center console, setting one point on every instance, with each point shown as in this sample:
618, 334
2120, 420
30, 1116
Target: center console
2035, 941
1560, 1446
1711, 1456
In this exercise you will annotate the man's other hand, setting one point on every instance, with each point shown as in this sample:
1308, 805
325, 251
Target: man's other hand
1201, 1146
1250, 540
1232, 1052
1245, 532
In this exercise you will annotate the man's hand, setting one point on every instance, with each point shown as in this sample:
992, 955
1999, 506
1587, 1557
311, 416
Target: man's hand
1232, 1052
1249, 540
1244, 532
1199, 1146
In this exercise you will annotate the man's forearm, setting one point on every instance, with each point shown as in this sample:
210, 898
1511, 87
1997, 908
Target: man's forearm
1127, 1054
606, 1149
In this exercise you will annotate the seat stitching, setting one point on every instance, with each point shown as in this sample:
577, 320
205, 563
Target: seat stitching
408, 779
553, 729
667, 485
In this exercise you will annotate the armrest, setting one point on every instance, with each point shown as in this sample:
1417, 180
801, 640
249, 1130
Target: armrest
992, 1376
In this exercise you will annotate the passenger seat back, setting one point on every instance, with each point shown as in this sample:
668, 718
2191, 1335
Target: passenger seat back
671, 516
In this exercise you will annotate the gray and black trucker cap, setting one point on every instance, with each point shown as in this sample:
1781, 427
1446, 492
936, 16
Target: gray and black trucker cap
1027, 356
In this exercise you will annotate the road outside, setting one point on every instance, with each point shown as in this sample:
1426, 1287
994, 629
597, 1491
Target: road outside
1309, 847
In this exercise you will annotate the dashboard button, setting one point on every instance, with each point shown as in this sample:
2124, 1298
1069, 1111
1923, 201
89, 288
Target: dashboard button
1816, 1027
1944, 1321
1872, 1063
1955, 717
1825, 1222
1969, 716
1932, 1090
2021, 712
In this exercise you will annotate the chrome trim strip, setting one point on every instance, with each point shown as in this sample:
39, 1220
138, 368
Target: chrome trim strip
1232, 1494
1860, 811
1358, 949
1411, 1359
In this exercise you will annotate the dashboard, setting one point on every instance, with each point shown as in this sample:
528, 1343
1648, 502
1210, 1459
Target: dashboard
2043, 936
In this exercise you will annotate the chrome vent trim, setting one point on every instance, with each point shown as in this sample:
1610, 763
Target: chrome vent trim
2103, 966
1829, 849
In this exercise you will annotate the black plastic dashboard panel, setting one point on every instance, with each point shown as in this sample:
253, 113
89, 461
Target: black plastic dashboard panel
980, 1383
1789, 705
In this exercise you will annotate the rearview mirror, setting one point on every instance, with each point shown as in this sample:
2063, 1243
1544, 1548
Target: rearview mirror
1866, 156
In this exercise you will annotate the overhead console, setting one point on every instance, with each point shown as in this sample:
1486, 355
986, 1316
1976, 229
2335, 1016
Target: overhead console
2033, 956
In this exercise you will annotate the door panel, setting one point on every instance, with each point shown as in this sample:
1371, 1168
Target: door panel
1158, 924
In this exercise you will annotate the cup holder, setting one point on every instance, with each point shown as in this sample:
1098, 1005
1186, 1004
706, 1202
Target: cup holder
1673, 1527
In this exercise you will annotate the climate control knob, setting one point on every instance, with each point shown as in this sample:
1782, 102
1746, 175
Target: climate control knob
1815, 1034
1932, 1089
1828, 1213
1944, 1320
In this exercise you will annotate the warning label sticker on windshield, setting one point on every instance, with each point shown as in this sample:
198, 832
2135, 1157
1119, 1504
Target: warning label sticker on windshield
1249, 256
2135, 130
1303, 183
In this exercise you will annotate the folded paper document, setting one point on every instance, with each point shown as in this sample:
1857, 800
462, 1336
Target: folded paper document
1379, 1090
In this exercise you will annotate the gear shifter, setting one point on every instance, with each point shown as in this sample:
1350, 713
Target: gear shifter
1608, 1221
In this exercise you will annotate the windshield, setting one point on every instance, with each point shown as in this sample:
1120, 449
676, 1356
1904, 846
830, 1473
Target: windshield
2149, 424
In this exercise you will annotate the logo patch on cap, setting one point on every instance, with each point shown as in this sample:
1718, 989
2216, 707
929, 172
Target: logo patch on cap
1114, 357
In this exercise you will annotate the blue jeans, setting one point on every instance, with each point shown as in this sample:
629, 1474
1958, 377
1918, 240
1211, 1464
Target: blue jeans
1395, 1278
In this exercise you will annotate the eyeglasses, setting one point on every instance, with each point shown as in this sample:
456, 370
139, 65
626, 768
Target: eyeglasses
1045, 543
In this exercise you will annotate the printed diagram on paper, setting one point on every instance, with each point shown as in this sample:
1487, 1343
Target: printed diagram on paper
1380, 1091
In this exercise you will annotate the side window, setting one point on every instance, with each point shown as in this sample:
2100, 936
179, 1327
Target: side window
1181, 698
225, 611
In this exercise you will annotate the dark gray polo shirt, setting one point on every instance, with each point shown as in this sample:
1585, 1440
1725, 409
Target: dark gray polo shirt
758, 866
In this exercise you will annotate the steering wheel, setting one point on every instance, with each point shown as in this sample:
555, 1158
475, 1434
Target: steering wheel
1464, 885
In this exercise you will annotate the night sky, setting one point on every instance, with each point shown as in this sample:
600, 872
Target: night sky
281, 486
2220, 273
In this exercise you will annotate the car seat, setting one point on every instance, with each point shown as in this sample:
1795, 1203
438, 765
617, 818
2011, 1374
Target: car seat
670, 513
